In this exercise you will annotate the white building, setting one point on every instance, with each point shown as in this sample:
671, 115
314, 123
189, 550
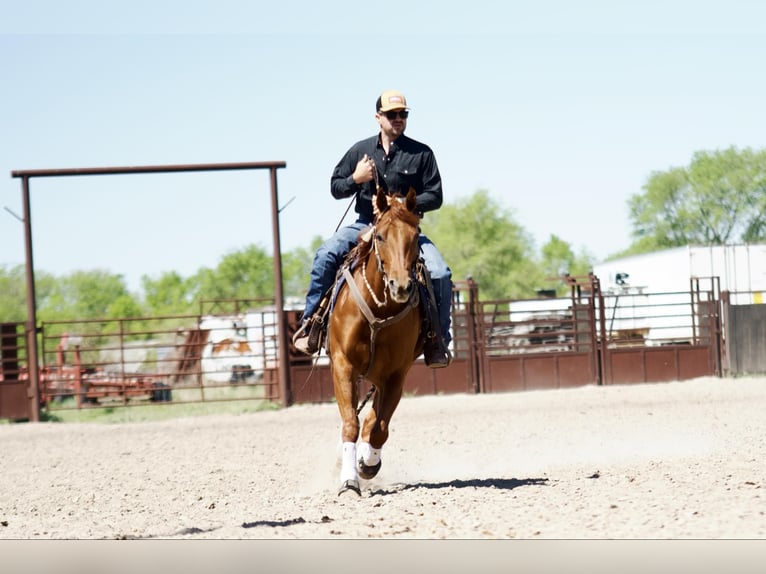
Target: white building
740, 268
650, 293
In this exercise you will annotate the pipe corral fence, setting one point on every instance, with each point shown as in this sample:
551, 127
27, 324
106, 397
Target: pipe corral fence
31, 329
232, 350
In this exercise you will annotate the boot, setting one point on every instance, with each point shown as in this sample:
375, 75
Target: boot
306, 338
436, 354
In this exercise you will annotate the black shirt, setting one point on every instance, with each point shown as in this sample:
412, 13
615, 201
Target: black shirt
409, 164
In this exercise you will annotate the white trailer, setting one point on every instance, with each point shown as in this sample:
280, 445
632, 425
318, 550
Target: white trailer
649, 294
741, 268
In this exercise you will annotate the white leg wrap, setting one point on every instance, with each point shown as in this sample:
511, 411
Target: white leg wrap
370, 456
348, 463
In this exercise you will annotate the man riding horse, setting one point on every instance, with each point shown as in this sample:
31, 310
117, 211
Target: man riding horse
394, 163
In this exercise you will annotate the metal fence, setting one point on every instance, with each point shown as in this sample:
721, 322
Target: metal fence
183, 358
229, 350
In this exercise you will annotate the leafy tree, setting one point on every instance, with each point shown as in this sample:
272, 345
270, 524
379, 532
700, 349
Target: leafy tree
14, 294
719, 198
296, 266
87, 295
245, 274
170, 294
558, 259
480, 239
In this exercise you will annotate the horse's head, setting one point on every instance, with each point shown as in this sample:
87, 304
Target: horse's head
395, 242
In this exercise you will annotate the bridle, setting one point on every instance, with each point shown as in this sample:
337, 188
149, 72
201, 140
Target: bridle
377, 323
381, 270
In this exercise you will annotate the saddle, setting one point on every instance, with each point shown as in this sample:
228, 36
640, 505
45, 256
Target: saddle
434, 347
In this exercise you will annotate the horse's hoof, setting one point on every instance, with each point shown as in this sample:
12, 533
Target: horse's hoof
350, 485
368, 472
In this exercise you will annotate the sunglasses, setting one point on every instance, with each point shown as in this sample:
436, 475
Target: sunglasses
393, 115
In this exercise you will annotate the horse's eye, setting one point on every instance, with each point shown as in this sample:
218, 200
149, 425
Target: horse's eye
379, 237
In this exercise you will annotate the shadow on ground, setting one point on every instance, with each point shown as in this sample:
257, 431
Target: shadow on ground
499, 483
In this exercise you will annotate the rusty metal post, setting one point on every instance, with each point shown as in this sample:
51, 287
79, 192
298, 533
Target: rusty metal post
30, 329
475, 347
282, 346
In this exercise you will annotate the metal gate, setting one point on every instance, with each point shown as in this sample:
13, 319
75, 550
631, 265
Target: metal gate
658, 337
539, 343
745, 323
14, 380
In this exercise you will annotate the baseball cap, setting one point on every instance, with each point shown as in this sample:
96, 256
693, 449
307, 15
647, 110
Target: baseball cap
391, 100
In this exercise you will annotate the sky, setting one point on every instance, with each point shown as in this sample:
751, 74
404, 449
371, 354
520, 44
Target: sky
560, 109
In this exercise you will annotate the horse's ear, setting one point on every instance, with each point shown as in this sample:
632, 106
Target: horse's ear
411, 199
381, 200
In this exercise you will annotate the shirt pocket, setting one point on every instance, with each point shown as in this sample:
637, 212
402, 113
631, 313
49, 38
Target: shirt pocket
408, 175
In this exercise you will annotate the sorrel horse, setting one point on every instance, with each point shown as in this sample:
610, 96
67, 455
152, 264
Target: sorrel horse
375, 332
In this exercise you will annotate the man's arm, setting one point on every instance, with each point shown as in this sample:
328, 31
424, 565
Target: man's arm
342, 182
431, 197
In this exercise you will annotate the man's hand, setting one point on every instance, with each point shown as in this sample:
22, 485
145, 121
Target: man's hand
365, 170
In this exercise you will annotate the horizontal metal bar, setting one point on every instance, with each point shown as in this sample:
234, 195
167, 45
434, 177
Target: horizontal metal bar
147, 169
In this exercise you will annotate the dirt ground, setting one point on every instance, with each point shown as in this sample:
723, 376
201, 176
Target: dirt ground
657, 461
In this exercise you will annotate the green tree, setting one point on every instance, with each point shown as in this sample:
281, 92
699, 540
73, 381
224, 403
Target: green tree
170, 294
87, 295
14, 293
296, 266
480, 239
245, 274
719, 198
558, 259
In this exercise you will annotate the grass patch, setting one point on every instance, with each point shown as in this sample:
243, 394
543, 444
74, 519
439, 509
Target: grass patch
186, 402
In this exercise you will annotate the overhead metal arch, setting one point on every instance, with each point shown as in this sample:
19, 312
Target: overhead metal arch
31, 322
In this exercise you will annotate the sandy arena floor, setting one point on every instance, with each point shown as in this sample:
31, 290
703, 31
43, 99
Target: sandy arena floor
658, 461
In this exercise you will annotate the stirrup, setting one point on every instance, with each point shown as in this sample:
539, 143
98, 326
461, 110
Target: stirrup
306, 338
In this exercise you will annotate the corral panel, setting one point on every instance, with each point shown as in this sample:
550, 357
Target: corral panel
13, 400
540, 372
694, 362
625, 367
643, 365
504, 374
576, 370
456, 378
660, 364
311, 384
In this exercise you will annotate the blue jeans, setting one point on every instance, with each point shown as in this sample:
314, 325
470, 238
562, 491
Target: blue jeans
329, 257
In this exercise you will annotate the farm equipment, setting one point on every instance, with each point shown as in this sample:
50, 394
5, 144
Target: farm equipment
95, 385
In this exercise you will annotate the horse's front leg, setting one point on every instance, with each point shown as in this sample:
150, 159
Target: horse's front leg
369, 462
346, 395
376, 426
